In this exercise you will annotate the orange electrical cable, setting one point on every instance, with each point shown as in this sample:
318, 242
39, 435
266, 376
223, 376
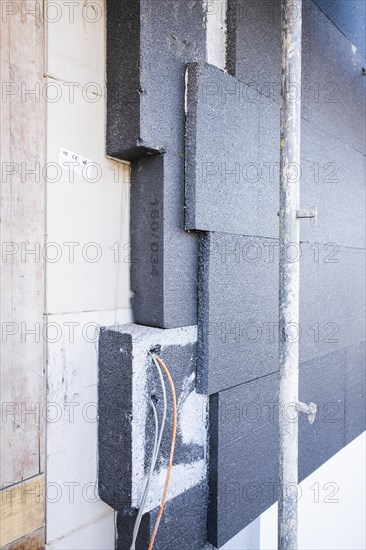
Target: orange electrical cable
170, 464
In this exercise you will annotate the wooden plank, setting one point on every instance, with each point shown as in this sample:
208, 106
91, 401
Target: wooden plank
22, 509
22, 126
34, 541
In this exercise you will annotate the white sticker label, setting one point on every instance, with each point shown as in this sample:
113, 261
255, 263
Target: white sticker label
73, 164
69, 159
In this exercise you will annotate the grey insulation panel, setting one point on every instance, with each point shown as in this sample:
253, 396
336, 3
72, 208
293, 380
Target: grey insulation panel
223, 189
237, 298
331, 177
183, 525
115, 404
232, 166
148, 44
332, 87
322, 381
355, 422
164, 262
243, 456
128, 381
332, 300
238, 306
243, 472
349, 16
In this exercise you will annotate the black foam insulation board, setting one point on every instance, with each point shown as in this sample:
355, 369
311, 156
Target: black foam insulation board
149, 43
243, 471
114, 409
183, 525
164, 259
331, 177
355, 422
243, 456
350, 17
333, 85
225, 191
128, 382
322, 381
232, 166
238, 306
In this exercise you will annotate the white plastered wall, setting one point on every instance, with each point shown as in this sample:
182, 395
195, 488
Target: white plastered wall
87, 273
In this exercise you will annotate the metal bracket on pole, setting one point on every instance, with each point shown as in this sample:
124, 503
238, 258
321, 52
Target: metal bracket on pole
312, 214
310, 410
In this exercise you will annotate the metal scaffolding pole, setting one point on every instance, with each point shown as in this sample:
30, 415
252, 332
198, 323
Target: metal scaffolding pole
289, 216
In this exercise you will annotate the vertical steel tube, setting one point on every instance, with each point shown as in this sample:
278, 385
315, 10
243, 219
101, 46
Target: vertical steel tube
289, 272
